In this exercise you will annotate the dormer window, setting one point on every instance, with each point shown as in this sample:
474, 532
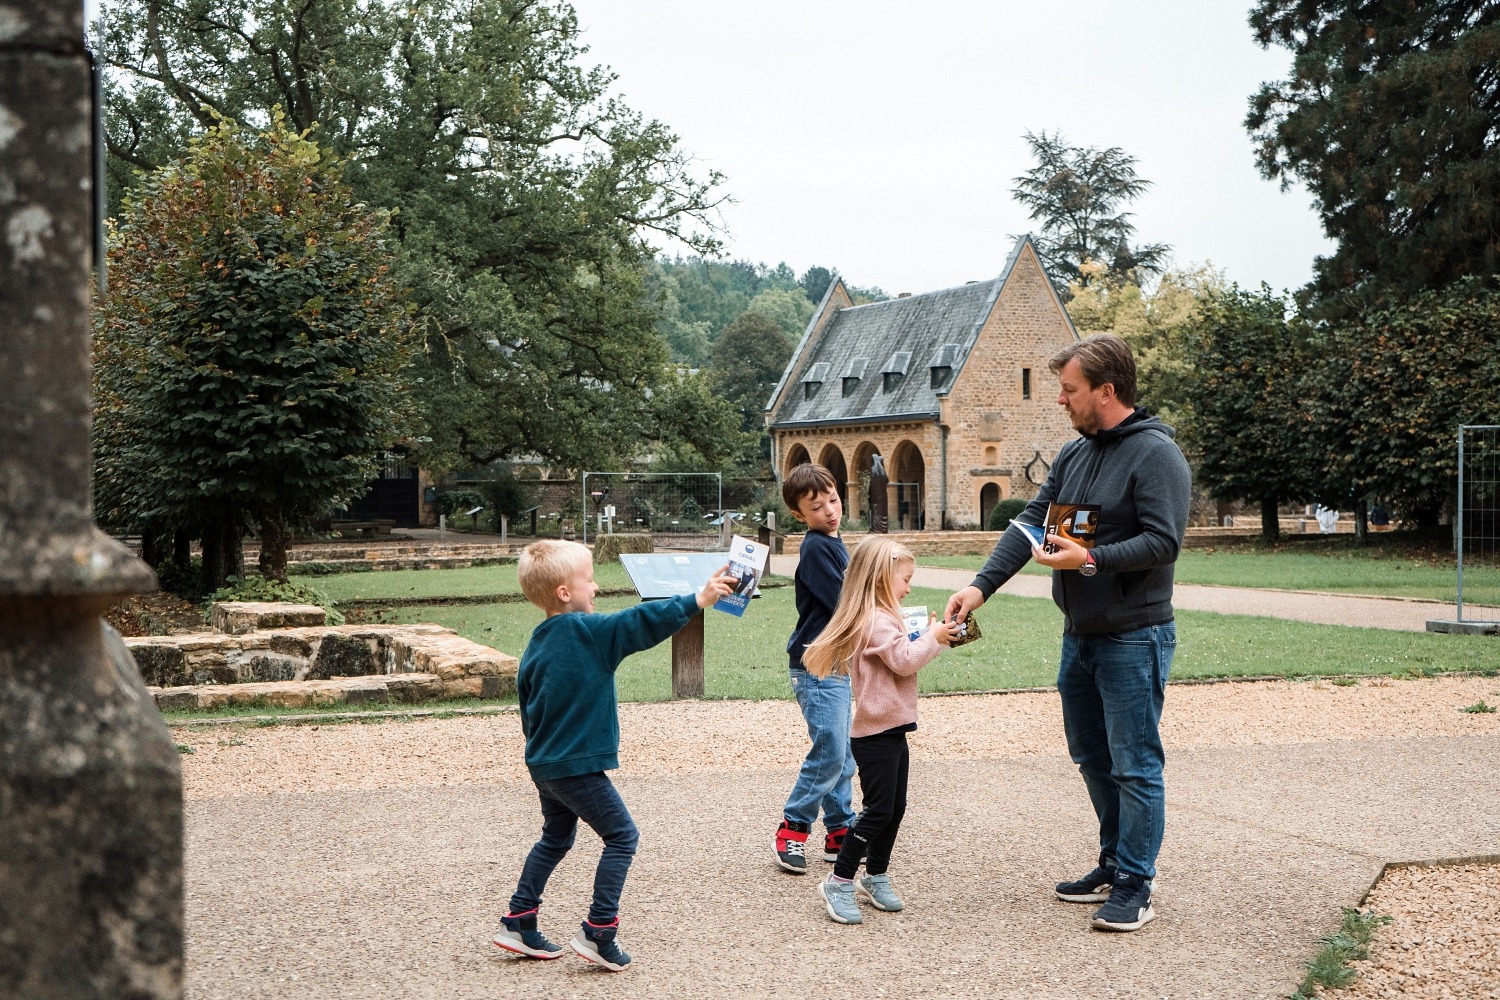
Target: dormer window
854, 373
894, 372
813, 380
942, 364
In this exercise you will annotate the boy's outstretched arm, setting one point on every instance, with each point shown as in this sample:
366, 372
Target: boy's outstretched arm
721, 584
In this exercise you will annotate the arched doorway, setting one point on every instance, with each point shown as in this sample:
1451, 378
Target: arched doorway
989, 495
908, 488
832, 459
795, 456
862, 461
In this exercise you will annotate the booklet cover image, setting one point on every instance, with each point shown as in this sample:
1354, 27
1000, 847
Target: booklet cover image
747, 561
1078, 522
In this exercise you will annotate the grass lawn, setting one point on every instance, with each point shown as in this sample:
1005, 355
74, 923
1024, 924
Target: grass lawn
745, 657
1380, 570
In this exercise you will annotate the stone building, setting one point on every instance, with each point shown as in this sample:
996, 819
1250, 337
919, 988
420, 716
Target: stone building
950, 387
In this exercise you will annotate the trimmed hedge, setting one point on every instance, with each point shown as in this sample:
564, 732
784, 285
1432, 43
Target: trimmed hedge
1002, 513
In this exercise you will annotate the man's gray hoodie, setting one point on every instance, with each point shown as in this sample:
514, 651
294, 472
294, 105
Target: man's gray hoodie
1136, 474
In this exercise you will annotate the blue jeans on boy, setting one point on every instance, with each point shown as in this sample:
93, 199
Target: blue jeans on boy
593, 799
1112, 687
824, 784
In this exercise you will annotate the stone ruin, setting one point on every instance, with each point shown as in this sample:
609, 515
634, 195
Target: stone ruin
283, 655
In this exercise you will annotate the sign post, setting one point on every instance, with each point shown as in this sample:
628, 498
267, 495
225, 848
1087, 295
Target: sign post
659, 575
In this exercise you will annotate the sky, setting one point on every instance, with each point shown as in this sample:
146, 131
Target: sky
881, 139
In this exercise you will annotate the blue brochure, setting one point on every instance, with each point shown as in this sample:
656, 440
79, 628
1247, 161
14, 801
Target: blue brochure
1033, 532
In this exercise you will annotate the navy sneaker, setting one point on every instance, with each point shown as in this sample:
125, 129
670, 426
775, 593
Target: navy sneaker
518, 933
1129, 905
596, 943
1092, 888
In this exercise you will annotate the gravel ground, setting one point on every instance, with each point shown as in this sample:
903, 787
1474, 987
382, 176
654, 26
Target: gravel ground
1442, 943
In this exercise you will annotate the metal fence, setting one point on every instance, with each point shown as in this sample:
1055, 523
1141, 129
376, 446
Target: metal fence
663, 503
1477, 524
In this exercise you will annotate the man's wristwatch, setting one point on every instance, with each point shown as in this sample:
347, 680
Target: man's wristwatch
1089, 567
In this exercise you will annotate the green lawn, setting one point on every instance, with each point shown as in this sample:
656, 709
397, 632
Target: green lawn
745, 657
1384, 571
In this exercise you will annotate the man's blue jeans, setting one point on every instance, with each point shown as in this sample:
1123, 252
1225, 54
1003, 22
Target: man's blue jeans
1112, 687
824, 784
593, 799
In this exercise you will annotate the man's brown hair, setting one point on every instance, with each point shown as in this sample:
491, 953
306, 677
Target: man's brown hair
1103, 357
805, 480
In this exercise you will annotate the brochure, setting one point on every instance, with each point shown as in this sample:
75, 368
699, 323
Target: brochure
1033, 532
915, 620
747, 560
1078, 522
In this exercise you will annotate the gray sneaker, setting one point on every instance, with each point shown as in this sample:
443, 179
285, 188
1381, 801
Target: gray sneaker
838, 898
877, 889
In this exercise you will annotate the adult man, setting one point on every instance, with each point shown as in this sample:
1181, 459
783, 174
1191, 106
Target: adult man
1116, 598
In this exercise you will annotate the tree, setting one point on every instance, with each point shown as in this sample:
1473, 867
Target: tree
1078, 195
526, 191
1389, 115
251, 353
749, 357
787, 308
1253, 438
815, 282
1409, 374
1157, 323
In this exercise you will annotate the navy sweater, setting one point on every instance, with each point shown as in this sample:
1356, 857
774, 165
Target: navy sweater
1137, 474
566, 683
821, 562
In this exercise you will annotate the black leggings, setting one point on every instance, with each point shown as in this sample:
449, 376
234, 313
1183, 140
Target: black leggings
884, 762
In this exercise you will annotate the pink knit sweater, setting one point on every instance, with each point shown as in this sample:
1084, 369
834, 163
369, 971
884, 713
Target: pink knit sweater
884, 674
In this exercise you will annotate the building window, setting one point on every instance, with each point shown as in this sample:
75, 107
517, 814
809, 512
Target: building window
991, 455
1025, 383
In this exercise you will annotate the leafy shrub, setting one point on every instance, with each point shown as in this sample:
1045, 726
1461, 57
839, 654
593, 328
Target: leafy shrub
461, 501
1003, 512
259, 588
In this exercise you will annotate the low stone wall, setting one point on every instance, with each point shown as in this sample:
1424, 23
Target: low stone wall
457, 667
239, 617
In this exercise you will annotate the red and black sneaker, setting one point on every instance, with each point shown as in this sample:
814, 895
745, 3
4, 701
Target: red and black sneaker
791, 847
833, 842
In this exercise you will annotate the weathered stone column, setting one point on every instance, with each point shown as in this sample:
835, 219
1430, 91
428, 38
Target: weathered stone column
90, 782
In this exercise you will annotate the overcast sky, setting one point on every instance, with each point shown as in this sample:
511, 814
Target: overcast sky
881, 137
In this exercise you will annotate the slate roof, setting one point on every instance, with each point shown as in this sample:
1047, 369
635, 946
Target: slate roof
887, 360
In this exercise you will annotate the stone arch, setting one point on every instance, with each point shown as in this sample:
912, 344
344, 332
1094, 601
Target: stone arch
832, 459
991, 456
795, 455
908, 488
989, 496
863, 453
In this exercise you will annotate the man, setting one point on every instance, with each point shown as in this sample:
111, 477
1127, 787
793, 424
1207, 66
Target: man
1116, 599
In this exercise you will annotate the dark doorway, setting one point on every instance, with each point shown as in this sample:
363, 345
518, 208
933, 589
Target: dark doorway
392, 496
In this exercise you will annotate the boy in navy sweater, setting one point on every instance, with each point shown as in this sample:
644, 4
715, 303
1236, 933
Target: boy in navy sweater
823, 781
569, 716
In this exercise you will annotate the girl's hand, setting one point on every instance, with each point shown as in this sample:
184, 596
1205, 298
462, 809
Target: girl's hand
943, 630
718, 585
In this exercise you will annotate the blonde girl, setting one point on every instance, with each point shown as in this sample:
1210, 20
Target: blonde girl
867, 640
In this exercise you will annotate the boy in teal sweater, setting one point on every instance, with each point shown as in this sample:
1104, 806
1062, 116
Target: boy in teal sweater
566, 685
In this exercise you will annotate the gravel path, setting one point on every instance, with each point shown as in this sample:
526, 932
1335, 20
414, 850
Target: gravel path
330, 828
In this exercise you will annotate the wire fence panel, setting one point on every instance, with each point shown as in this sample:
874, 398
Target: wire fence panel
663, 503
1478, 516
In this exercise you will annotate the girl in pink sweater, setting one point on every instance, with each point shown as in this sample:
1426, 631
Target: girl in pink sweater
867, 640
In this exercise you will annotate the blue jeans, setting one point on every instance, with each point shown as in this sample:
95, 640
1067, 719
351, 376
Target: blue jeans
593, 799
1112, 687
824, 784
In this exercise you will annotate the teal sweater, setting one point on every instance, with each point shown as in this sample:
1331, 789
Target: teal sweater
566, 683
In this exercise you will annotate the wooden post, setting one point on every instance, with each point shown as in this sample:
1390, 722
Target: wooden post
687, 660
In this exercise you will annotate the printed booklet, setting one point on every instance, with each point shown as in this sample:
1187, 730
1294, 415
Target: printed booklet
1078, 522
915, 620
747, 560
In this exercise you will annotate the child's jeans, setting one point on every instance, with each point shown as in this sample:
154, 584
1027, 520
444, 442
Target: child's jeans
825, 782
593, 799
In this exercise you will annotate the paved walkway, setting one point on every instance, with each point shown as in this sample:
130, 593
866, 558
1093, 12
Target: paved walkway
1404, 614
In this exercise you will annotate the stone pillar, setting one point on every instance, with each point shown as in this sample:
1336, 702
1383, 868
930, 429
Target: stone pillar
90, 782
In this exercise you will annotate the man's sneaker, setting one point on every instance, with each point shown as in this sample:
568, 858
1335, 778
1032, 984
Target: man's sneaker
1092, 888
791, 847
596, 943
833, 842
518, 933
1128, 907
877, 889
838, 898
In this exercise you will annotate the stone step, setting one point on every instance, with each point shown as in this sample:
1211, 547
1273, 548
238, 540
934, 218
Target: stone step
380, 689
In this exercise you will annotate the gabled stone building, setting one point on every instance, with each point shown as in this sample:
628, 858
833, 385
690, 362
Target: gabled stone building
950, 387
